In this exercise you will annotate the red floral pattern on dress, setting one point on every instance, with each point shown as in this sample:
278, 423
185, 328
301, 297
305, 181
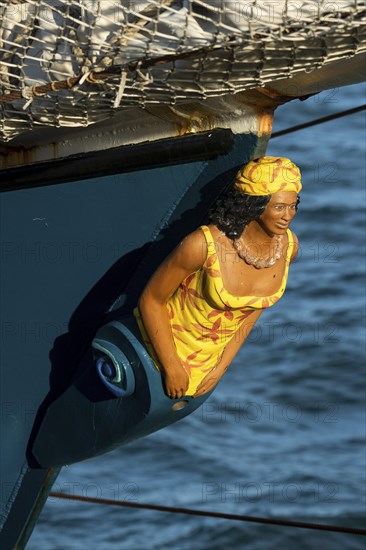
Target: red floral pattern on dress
170, 312
189, 365
226, 312
210, 262
214, 332
186, 292
175, 327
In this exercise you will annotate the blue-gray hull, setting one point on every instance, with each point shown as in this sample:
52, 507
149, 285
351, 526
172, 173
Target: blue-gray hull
74, 256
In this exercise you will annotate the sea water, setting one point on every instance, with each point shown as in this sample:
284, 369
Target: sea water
283, 434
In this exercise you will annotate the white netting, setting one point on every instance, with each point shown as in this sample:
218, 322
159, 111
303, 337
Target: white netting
73, 63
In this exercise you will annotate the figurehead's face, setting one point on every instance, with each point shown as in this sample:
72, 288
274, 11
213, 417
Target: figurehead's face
279, 212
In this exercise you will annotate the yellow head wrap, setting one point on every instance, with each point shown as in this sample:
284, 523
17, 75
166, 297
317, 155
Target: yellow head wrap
268, 175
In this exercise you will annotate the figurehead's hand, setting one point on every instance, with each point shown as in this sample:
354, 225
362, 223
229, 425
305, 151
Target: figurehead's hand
210, 380
176, 382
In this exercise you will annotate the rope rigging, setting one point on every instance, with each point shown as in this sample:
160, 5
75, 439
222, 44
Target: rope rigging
319, 121
211, 514
71, 64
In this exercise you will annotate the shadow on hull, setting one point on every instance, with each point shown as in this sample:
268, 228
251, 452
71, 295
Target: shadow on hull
75, 258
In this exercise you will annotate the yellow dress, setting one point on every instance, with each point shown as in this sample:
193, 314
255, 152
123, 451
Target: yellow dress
204, 316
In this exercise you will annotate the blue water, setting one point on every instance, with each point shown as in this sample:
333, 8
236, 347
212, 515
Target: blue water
283, 434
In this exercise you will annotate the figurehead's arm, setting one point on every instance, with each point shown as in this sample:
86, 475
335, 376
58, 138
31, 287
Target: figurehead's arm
188, 257
230, 351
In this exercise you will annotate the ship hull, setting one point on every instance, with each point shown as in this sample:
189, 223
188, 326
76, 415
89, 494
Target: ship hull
74, 254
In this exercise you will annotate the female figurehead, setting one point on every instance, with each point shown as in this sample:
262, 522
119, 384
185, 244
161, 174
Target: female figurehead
200, 305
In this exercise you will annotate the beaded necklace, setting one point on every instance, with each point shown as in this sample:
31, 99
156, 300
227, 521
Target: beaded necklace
257, 261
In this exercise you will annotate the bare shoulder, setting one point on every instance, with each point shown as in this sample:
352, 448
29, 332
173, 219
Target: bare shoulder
191, 251
295, 246
186, 258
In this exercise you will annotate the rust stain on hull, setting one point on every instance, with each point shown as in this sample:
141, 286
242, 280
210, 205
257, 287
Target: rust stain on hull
21, 156
265, 123
243, 113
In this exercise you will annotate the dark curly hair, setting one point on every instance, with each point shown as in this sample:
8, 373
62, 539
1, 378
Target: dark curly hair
233, 210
